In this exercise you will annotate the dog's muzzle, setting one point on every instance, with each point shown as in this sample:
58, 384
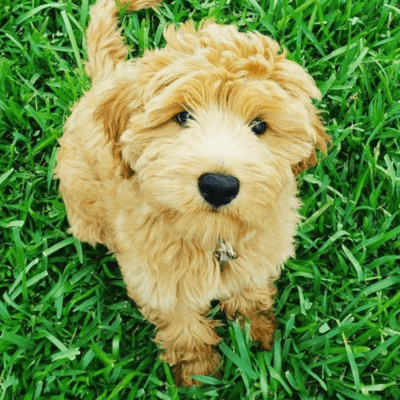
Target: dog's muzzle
218, 189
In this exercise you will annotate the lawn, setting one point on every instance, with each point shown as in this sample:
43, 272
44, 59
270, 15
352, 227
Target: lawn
68, 330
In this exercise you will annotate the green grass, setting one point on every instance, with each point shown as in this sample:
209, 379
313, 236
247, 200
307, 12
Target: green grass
68, 330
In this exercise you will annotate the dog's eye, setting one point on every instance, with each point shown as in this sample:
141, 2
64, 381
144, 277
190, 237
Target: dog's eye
182, 117
258, 126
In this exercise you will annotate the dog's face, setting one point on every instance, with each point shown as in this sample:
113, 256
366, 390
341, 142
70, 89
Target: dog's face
214, 127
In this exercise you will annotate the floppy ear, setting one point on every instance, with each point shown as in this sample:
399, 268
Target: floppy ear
114, 113
322, 141
300, 85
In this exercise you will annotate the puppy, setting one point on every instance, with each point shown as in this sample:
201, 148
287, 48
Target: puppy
183, 163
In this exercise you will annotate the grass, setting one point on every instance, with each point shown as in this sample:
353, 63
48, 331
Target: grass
68, 330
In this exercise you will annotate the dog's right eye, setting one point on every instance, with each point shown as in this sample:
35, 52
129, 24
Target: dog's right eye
182, 117
258, 126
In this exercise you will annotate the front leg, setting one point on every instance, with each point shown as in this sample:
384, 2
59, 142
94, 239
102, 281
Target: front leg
188, 340
176, 301
255, 303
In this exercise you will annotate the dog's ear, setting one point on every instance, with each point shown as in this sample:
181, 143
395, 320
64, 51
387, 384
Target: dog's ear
300, 85
322, 141
114, 112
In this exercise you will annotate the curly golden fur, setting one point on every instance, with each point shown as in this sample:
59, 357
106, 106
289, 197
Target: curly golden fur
130, 174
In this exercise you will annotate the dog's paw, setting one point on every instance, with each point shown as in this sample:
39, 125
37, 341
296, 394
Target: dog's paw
262, 328
206, 366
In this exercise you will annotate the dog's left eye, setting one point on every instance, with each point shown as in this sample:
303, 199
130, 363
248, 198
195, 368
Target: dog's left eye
183, 117
258, 126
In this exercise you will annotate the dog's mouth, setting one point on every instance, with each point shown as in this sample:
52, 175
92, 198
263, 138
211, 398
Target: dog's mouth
224, 253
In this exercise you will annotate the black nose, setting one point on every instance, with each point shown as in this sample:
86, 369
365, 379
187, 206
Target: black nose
218, 189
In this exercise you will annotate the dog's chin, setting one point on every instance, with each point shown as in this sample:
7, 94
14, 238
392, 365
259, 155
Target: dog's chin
205, 225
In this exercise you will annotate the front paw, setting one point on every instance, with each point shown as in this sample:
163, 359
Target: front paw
262, 328
209, 365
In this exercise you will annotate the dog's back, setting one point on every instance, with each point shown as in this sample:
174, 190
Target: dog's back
86, 166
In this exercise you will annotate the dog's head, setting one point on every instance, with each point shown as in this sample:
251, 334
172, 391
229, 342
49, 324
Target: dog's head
215, 125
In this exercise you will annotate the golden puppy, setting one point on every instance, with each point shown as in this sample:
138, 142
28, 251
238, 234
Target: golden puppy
183, 163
